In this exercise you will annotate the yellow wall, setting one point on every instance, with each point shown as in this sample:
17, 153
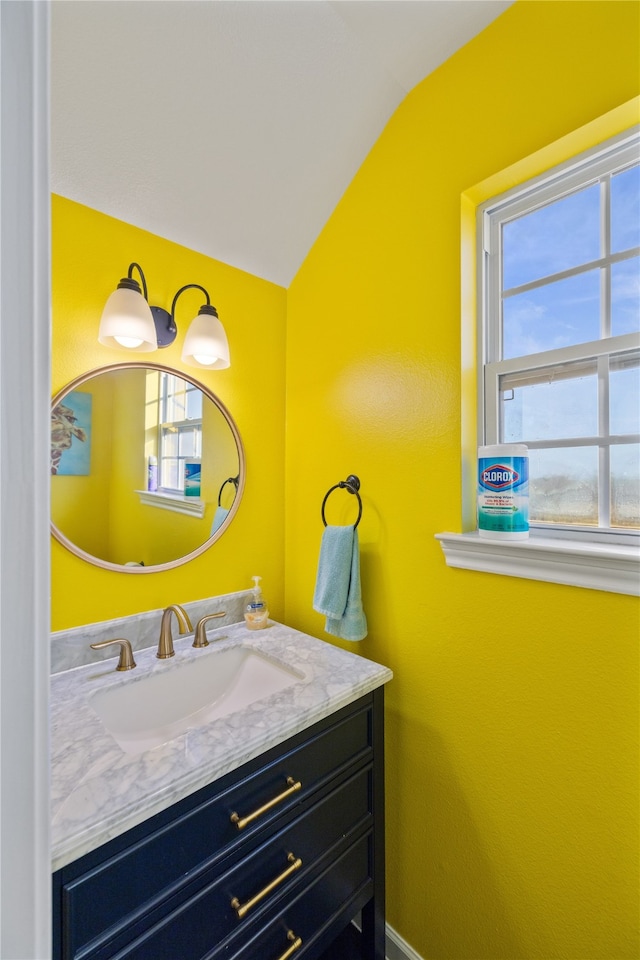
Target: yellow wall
512, 720
91, 252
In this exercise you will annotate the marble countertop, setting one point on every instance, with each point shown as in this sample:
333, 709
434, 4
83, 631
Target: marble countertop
98, 791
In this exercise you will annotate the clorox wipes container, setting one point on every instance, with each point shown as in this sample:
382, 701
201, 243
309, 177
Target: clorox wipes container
503, 491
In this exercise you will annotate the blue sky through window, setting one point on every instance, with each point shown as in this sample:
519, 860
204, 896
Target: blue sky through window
625, 297
556, 237
536, 246
560, 236
555, 315
625, 209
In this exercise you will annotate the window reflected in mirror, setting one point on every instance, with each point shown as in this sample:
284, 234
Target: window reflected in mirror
147, 467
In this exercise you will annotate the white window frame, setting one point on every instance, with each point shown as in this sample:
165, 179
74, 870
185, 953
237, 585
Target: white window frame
607, 561
179, 426
576, 174
169, 498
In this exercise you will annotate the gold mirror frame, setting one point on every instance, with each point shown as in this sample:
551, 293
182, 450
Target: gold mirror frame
171, 564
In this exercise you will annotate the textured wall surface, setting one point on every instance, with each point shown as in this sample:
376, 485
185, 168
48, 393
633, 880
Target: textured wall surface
513, 713
91, 252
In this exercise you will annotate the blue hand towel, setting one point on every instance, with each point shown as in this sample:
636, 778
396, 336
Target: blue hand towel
338, 594
334, 571
218, 519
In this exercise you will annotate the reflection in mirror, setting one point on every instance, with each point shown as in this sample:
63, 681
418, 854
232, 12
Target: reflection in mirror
147, 467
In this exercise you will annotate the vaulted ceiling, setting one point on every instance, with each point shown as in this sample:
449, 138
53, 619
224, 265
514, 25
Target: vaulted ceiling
233, 127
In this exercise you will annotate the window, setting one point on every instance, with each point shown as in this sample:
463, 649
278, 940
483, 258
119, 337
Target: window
560, 340
179, 430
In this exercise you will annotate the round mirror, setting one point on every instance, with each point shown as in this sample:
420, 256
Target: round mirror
147, 467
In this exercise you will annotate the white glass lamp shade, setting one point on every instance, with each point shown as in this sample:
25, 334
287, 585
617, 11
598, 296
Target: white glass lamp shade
205, 344
127, 322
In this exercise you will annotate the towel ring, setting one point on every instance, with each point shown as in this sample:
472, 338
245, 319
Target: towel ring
352, 485
234, 481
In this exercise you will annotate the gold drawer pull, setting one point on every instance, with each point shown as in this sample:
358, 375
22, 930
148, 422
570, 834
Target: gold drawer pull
243, 908
297, 943
242, 822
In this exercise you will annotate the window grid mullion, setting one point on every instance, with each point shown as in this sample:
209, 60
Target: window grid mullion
605, 247
562, 443
576, 271
604, 450
492, 341
493, 433
493, 345
579, 351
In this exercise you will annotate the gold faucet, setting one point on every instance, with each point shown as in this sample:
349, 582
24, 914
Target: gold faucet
200, 639
165, 645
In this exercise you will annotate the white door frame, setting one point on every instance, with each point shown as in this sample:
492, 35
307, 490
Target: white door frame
25, 872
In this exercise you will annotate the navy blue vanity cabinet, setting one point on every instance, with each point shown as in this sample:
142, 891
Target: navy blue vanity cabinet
271, 861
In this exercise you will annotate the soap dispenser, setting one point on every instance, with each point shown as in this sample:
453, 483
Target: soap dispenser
256, 615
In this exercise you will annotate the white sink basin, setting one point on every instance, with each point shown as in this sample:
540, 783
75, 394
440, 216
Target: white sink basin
147, 711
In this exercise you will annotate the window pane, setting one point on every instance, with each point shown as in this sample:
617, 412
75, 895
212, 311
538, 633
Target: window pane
175, 398
169, 446
555, 315
170, 475
624, 394
173, 410
625, 297
554, 410
194, 405
625, 485
563, 486
556, 237
174, 384
625, 209
189, 442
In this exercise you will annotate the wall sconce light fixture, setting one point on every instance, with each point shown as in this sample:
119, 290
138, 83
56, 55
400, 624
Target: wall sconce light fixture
129, 322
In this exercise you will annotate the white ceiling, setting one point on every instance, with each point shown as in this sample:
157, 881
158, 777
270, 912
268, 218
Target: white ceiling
234, 126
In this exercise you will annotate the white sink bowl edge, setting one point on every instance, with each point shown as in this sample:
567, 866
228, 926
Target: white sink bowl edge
148, 711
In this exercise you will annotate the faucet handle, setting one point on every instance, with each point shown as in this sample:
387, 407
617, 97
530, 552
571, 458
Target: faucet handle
126, 661
200, 639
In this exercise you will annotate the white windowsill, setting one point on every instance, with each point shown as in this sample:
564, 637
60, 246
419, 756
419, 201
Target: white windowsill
603, 566
192, 506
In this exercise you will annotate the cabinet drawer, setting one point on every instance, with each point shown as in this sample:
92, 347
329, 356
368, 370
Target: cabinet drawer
345, 884
250, 890
152, 868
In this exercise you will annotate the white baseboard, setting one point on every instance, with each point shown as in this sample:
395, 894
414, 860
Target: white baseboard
395, 947
398, 949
